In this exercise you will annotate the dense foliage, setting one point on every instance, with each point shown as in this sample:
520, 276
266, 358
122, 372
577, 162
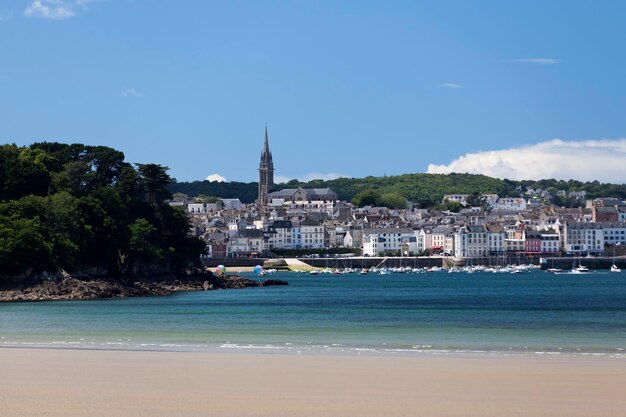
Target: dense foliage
426, 190
247, 192
77, 207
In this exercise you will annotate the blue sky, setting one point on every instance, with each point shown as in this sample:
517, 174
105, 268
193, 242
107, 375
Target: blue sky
353, 88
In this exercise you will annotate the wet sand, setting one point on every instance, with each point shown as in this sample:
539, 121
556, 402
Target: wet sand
48, 382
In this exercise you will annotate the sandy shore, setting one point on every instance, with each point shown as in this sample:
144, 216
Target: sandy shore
46, 382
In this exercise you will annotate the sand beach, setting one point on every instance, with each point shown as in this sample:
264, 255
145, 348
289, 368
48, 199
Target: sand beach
64, 382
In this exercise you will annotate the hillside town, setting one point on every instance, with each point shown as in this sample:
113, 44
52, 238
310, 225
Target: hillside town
484, 226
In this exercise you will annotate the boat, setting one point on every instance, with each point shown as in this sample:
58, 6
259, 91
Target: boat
313, 272
614, 267
580, 269
554, 270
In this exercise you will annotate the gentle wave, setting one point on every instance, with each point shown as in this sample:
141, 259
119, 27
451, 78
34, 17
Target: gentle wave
308, 349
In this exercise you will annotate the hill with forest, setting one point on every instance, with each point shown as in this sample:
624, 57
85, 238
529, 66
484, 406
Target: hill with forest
83, 208
424, 190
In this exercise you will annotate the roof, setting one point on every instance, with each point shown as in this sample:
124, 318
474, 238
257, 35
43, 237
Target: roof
381, 230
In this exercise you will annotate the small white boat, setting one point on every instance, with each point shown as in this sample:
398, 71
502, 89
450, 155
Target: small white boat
581, 268
313, 272
614, 268
554, 270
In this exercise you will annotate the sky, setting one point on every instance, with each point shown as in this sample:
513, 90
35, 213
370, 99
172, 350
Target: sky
522, 90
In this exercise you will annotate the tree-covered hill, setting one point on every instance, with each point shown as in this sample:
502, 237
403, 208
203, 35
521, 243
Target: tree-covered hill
424, 189
77, 207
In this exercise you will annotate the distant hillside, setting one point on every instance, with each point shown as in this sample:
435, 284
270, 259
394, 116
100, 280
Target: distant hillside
424, 189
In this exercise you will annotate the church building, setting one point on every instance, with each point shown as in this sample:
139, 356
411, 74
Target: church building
268, 195
266, 172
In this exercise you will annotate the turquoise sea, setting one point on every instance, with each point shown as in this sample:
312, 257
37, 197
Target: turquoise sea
482, 313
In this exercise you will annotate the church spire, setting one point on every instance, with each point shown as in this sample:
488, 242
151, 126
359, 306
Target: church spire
266, 171
266, 145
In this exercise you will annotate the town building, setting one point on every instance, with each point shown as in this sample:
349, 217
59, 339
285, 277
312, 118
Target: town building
583, 238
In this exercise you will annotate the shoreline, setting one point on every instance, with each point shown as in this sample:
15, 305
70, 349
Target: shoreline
63, 382
322, 351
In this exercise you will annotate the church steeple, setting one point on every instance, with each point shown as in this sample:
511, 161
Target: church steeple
266, 145
266, 171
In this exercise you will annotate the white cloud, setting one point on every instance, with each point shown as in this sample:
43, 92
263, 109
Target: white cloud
56, 9
587, 160
216, 177
131, 92
451, 85
4, 15
279, 179
540, 61
50, 9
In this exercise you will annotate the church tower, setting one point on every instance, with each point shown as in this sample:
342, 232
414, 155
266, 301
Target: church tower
266, 172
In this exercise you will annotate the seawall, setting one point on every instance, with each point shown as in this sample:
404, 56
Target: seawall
427, 262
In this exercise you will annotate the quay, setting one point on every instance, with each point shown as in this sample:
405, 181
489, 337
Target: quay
445, 262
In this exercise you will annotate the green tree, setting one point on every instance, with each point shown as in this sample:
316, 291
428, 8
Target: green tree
154, 177
366, 198
392, 200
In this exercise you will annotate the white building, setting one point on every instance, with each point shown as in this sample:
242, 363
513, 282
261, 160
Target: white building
583, 238
496, 237
247, 240
614, 233
353, 238
382, 241
471, 241
279, 234
312, 234
196, 208
513, 204
457, 198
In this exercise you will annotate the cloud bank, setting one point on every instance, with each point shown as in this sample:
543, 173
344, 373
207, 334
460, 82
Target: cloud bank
55, 9
603, 160
216, 177
50, 9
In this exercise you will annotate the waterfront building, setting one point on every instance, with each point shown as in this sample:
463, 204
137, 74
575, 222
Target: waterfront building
542, 243
583, 238
496, 237
614, 233
388, 241
471, 241
312, 233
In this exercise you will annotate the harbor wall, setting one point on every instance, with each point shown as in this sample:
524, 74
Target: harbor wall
427, 262
591, 263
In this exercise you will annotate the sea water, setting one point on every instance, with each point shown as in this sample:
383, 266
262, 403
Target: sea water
481, 313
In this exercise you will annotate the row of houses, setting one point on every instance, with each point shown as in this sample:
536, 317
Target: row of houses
233, 229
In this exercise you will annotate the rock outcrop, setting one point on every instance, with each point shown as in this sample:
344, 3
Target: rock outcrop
67, 287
